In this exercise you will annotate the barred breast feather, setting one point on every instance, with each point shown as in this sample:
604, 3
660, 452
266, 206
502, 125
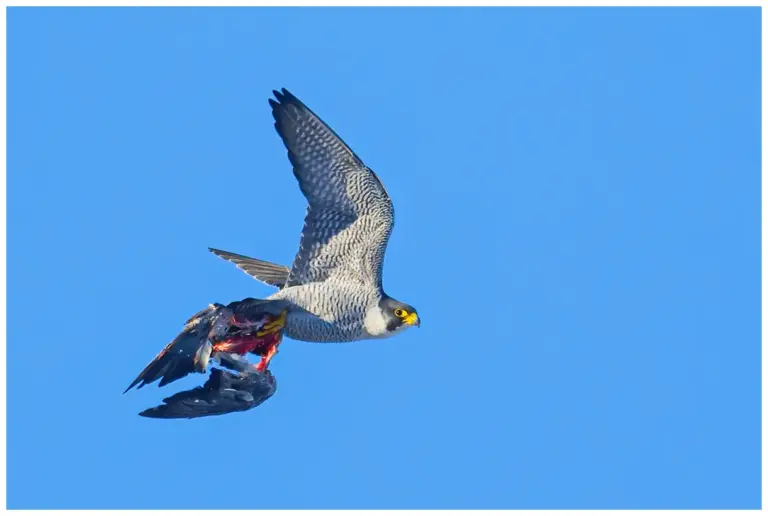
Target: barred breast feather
330, 311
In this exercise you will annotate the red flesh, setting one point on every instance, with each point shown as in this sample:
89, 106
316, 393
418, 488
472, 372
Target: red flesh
242, 344
265, 346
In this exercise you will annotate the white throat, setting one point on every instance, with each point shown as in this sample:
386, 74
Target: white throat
376, 324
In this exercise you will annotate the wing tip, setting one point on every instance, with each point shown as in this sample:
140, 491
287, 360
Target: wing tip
159, 413
139, 382
283, 93
284, 98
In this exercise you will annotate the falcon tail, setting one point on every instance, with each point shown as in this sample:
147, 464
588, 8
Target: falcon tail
266, 272
225, 334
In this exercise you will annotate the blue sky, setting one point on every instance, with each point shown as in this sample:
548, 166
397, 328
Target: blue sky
577, 195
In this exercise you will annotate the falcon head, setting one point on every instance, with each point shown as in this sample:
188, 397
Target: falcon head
389, 317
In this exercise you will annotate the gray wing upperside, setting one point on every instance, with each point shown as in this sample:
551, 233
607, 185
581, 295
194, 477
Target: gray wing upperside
266, 272
350, 215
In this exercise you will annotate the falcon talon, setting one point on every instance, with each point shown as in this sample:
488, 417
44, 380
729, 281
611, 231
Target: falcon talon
274, 326
333, 290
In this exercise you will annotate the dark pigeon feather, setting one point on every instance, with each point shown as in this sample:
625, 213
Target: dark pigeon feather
187, 353
190, 351
224, 392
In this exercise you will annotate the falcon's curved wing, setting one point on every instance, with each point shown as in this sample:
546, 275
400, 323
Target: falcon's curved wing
350, 215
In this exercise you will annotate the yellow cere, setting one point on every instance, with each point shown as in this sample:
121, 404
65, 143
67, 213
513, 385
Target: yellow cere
412, 319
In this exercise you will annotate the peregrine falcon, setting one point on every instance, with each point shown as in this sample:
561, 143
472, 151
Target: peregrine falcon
332, 292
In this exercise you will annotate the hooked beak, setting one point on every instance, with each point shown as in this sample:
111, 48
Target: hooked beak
413, 320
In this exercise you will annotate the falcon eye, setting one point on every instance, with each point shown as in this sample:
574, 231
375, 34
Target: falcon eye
400, 313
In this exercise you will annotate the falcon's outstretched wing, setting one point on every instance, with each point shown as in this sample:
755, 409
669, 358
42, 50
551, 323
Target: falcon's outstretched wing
350, 215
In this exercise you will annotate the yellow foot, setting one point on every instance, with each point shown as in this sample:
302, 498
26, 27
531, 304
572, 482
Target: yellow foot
274, 326
264, 363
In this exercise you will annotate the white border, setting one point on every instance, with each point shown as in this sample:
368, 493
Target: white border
573, 3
